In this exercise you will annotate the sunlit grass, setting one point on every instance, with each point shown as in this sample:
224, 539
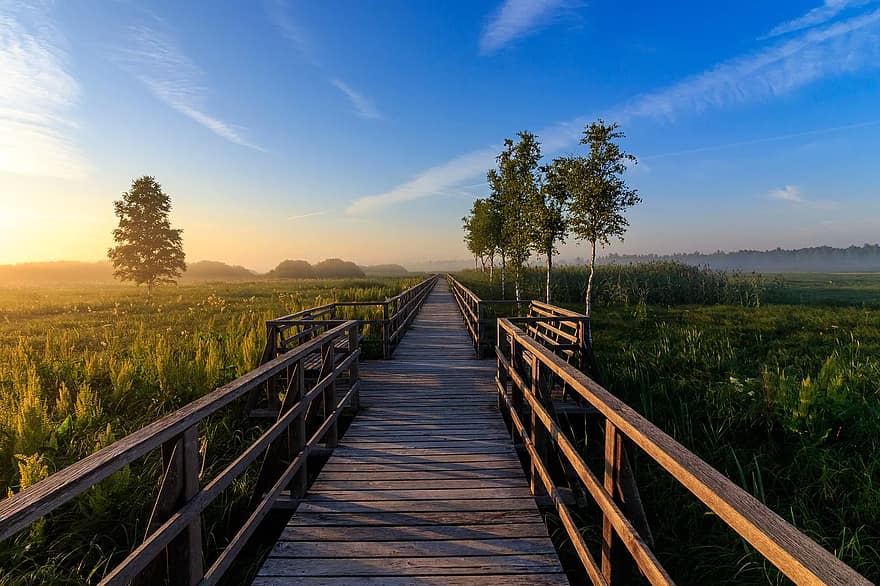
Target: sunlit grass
777, 390
82, 367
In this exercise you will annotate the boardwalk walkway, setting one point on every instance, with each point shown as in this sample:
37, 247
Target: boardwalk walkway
425, 486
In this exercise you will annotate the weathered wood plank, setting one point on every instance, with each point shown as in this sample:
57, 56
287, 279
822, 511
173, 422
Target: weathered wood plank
418, 506
406, 548
407, 519
529, 579
420, 494
444, 483
397, 475
414, 533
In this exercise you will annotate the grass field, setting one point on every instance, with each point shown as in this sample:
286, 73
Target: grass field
81, 367
781, 392
772, 379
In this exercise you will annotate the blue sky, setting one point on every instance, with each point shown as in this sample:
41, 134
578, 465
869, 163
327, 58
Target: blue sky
287, 129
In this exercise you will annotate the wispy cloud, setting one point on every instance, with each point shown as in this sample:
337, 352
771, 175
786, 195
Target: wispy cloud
292, 31
763, 139
309, 215
837, 49
779, 69
37, 94
788, 193
156, 60
518, 18
819, 15
435, 181
362, 106
793, 195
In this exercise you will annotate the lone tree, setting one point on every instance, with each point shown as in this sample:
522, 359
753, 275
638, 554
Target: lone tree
148, 250
598, 195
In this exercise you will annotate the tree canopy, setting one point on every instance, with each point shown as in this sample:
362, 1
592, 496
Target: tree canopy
148, 250
336, 268
533, 208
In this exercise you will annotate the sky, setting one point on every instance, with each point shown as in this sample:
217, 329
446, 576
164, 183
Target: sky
364, 130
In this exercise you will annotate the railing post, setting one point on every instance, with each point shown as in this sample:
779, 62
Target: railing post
183, 564
297, 433
354, 371
386, 332
516, 396
271, 349
612, 548
539, 433
480, 329
501, 373
328, 354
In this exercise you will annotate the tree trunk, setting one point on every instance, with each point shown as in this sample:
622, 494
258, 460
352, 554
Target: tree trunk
491, 267
503, 275
475, 263
549, 270
590, 292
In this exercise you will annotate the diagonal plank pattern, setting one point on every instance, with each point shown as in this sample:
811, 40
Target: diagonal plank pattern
425, 487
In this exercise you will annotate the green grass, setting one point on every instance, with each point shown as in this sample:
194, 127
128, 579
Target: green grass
782, 396
81, 367
829, 289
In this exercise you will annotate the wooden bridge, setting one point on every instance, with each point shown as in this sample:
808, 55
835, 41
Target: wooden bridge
440, 474
426, 485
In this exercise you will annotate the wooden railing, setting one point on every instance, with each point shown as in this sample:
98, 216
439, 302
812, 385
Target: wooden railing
172, 550
526, 373
289, 331
561, 330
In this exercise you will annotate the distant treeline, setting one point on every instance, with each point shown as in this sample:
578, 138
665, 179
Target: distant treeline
70, 272
803, 260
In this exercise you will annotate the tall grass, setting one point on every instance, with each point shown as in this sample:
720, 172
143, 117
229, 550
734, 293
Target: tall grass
655, 283
783, 398
80, 368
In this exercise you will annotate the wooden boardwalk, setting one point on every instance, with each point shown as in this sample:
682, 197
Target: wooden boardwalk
425, 487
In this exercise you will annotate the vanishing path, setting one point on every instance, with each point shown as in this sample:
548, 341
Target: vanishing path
425, 486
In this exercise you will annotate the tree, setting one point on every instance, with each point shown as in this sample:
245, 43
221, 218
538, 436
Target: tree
598, 195
515, 184
293, 269
336, 268
550, 225
148, 250
480, 228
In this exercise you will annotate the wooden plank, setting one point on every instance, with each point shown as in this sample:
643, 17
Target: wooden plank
406, 548
419, 494
411, 519
481, 576
444, 483
397, 475
417, 506
414, 533
421, 459
415, 566
416, 465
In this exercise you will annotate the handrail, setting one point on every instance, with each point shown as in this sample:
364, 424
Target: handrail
528, 366
562, 330
397, 313
175, 524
